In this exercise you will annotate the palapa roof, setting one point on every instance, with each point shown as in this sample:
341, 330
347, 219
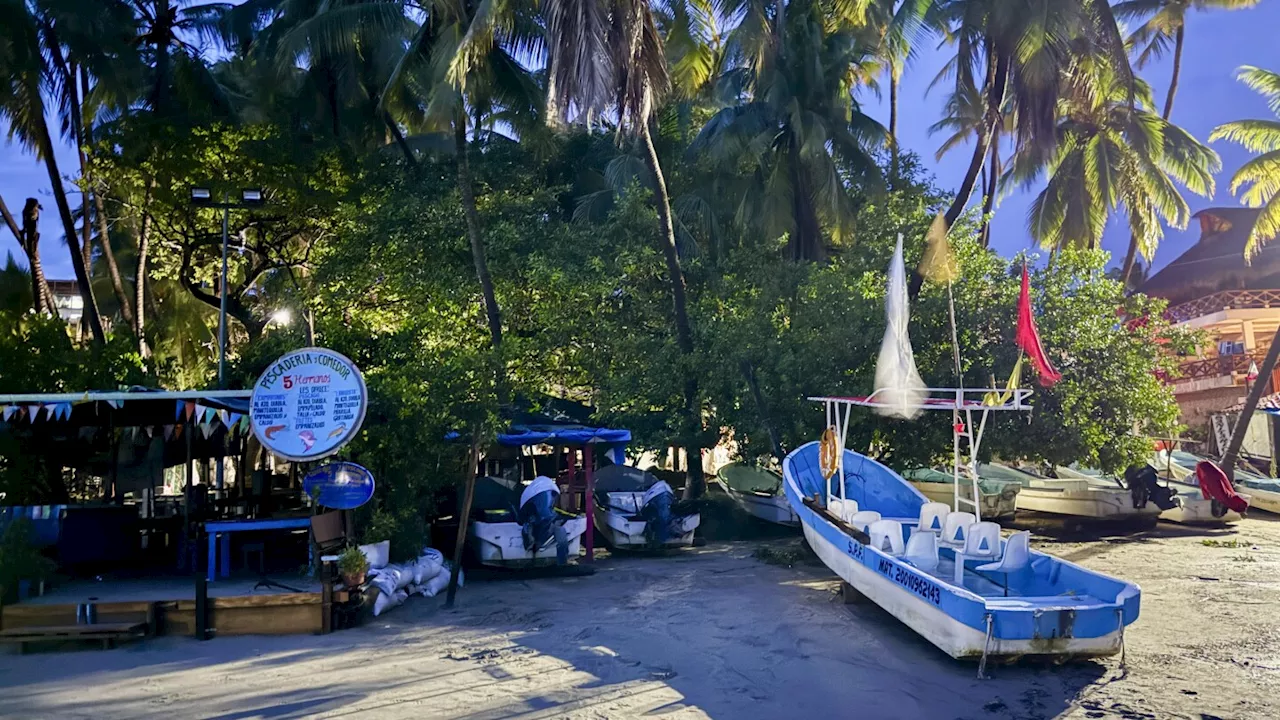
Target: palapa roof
1216, 262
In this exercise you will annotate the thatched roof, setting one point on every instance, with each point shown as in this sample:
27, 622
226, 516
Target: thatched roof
1216, 262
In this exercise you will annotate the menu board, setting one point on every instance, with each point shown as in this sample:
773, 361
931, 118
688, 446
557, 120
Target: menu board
308, 404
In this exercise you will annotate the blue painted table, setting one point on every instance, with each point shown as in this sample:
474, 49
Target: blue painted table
224, 528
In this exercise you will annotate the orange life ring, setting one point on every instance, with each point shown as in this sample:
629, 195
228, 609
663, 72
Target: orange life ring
828, 453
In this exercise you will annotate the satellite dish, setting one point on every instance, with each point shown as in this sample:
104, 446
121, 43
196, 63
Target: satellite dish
339, 485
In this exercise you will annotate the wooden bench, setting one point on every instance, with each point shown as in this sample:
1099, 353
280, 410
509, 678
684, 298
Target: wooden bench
106, 633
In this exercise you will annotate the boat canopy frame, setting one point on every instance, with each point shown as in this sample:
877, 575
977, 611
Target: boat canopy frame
962, 402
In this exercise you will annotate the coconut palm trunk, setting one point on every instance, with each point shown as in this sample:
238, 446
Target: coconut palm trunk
1250, 405
28, 237
91, 316
1177, 70
894, 81
680, 313
997, 77
491, 310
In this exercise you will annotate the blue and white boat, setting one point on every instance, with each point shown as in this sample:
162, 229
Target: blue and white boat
936, 567
1045, 606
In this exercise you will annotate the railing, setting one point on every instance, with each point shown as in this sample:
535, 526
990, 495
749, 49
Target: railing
1225, 300
1220, 366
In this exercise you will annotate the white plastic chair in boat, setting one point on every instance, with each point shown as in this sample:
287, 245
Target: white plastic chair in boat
886, 536
933, 517
922, 550
843, 509
863, 519
982, 543
1017, 555
956, 529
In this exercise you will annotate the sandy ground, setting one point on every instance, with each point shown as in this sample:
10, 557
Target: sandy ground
712, 632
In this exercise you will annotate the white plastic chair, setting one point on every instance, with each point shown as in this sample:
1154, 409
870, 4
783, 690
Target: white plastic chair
863, 519
922, 550
1017, 555
956, 529
933, 517
843, 509
982, 542
886, 536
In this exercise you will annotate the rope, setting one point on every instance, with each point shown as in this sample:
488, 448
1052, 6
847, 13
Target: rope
986, 648
1120, 618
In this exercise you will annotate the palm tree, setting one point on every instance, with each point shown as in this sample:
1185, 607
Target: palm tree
1165, 21
965, 119
1017, 52
609, 56
796, 125
1257, 183
1109, 155
33, 52
900, 24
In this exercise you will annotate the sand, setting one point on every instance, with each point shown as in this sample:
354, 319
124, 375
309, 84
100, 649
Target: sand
711, 632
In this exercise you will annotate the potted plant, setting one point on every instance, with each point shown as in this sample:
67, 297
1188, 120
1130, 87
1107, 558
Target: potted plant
353, 566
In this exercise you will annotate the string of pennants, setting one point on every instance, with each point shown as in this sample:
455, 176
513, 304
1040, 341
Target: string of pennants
205, 419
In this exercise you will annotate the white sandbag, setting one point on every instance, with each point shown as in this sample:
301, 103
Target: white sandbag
435, 585
378, 554
386, 601
389, 579
404, 575
427, 565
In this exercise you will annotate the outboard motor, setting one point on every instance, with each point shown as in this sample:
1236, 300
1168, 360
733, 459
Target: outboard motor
656, 511
1144, 487
537, 514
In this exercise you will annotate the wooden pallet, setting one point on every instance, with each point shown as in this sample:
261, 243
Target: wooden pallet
106, 633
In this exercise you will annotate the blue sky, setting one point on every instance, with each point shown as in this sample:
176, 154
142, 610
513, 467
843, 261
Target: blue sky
1217, 43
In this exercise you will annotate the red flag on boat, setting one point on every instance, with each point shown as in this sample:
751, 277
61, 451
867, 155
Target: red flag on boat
1029, 338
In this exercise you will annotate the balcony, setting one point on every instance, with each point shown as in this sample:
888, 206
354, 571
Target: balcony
1225, 300
1218, 372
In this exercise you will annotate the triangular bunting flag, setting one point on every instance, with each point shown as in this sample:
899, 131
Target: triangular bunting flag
245, 425
222, 415
168, 432
232, 419
116, 404
178, 406
33, 413
9, 411
190, 408
65, 409
177, 431
209, 414
206, 429
51, 411
149, 430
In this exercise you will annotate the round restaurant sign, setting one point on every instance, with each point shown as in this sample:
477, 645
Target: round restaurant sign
308, 404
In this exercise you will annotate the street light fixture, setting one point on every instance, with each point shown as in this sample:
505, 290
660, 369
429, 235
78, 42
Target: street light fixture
249, 198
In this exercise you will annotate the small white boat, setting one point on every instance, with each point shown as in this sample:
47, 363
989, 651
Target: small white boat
1070, 496
997, 499
1262, 492
758, 492
500, 511
1191, 508
635, 510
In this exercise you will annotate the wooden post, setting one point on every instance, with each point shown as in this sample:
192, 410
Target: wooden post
571, 473
588, 467
464, 513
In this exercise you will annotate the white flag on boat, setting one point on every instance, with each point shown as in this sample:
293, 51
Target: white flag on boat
899, 388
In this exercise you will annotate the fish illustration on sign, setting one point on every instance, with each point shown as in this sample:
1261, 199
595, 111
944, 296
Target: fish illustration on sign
337, 431
308, 439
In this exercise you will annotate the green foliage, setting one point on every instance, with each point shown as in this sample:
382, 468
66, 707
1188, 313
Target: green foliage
19, 559
353, 562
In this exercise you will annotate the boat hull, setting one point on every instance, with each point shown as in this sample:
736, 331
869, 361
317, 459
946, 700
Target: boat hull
1093, 503
621, 532
1198, 510
1263, 499
995, 506
770, 508
1048, 607
950, 635
501, 544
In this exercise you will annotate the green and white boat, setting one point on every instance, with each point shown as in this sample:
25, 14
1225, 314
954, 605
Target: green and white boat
758, 492
997, 498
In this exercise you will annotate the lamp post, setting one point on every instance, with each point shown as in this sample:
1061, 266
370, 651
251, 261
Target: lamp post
203, 197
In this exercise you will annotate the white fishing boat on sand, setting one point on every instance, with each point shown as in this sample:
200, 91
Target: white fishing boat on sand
512, 524
1180, 467
1077, 497
758, 492
998, 499
1190, 506
636, 510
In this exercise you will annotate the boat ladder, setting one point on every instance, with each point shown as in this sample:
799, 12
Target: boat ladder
964, 467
